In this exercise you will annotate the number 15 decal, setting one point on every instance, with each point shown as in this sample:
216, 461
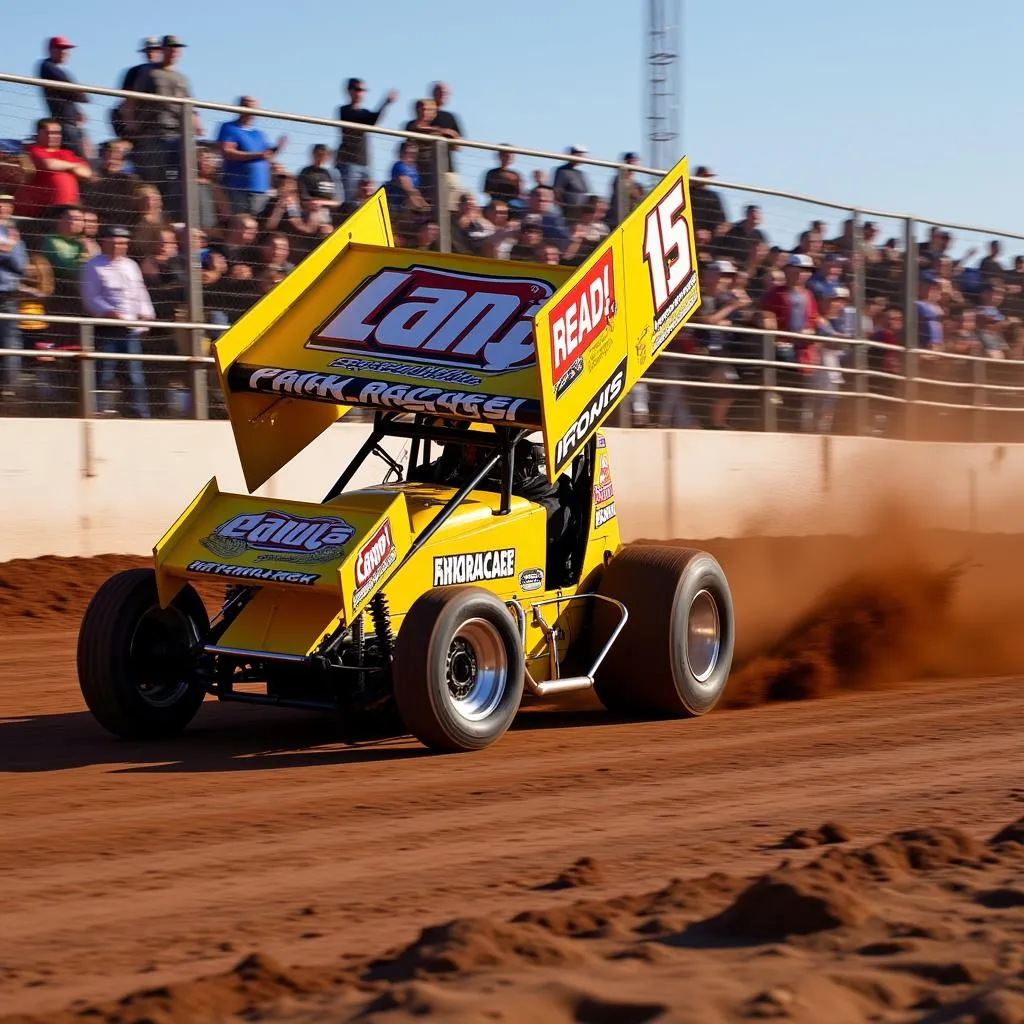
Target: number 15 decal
667, 247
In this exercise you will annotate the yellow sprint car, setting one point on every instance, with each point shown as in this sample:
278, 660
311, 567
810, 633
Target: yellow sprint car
488, 564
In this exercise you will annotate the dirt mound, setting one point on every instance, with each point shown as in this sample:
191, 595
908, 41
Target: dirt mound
585, 871
828, 834
54, 590
467, 945
1013, 833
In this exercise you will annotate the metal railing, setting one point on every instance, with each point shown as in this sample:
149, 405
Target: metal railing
736, 374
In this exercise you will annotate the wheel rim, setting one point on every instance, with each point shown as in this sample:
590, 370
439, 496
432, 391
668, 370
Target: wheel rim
703, 636
476, 669
158, 656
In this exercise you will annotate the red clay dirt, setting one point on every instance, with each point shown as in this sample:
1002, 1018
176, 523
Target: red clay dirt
300, 878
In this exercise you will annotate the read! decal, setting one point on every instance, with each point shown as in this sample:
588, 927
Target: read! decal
579, 319
439, 316
280, 537
375, 557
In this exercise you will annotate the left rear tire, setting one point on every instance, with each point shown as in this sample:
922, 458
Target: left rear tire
135, 667
458, 669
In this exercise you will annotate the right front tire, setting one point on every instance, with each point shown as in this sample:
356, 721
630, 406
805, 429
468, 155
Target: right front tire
458, 669
134, 658
673, 657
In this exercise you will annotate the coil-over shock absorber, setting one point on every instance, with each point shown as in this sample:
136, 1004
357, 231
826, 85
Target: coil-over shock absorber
382, 623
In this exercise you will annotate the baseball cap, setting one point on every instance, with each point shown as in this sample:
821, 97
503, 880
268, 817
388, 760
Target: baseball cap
840, 292
354, 83
149, 43
723, 266
113, 231
704, 172
799, 259
532, 220
6, 197
172, 43
577, 150
60, 43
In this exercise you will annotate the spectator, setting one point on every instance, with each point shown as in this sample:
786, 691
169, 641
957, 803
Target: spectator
212, 203
427, 237
588, 232
793, 306
246, 152
158, 126
66, 250
237, 244
531, 237
364, 190
498, 244
274, 253
110, 192
708, 211
63, 104
469, 228
929, 314
626, 194
570, 185
90, 233
152, 51
353, 156
426, 153
549, 253
403, 190
739, 241
449, 127
542, 205
504, 184
113, 288
990, 265
57, 172
818, 413
13, 264
315, 181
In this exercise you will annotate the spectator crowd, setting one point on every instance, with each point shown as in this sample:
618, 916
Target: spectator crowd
92, 221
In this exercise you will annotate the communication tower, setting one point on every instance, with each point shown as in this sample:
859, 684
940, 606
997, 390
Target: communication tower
664, 32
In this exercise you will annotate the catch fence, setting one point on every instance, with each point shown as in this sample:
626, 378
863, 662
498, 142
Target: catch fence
208, 251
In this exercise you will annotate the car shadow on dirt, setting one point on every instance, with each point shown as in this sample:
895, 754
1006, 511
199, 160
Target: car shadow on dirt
230, 738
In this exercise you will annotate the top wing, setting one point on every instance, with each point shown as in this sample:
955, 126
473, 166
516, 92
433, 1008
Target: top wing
360, 323
603, 328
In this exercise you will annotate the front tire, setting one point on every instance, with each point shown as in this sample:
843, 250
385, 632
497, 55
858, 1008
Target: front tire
134, 657
674, 655
458, 669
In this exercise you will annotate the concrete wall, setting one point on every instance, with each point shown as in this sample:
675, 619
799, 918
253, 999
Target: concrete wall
70, 487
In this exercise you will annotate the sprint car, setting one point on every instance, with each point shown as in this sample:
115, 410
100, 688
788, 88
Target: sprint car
487, 565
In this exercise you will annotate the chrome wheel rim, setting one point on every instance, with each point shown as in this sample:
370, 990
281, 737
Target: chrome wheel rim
476, 669
158, 656
703, 636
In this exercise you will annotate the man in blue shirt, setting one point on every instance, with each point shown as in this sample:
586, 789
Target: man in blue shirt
247, 153
13, 262
64, 104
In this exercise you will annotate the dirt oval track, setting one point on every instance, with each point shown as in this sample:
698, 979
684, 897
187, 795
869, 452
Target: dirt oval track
127, 867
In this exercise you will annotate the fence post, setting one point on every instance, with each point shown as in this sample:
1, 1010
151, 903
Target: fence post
860, 353
86, 373
444, 221
768, 382
978, 400
911, 278
194, 288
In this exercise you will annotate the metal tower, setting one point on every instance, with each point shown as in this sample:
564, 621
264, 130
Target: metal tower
662, 103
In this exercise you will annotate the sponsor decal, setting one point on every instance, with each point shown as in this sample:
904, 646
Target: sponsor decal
251, 572
603, 490
475, 566
442, 317
441, 374
531, 579
414, 398
575, 437
602, 441
375, 557
281, 537
602, 515
578, 320
669, 261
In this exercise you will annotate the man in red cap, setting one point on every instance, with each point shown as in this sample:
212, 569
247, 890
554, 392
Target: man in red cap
64, 103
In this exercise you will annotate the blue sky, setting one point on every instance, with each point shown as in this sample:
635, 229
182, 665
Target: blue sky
899, 105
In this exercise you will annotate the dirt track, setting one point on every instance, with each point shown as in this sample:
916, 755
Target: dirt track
126, 867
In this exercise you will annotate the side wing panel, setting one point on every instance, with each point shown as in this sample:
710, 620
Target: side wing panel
598, 334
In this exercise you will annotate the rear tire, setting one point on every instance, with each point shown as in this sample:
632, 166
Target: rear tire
458, 669
674, 655
134, 667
